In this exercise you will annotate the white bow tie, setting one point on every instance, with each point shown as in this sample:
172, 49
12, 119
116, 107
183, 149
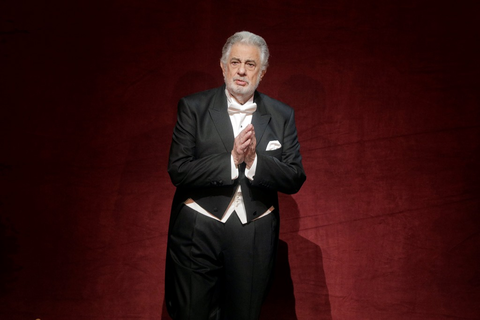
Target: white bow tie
247, 108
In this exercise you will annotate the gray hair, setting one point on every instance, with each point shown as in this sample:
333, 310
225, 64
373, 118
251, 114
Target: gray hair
247, 38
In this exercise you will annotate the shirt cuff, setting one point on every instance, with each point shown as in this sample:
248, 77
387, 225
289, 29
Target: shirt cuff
250, 173
234, 169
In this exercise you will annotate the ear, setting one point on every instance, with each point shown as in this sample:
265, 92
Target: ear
262, 74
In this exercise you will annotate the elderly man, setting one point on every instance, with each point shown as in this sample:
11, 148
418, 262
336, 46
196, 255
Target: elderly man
233, 149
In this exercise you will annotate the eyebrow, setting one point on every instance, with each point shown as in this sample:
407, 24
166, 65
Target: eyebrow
248, 60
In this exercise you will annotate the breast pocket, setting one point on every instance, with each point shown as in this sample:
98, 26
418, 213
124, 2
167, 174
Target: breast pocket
274, 148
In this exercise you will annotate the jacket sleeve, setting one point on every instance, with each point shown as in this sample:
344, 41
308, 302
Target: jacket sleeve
185, 167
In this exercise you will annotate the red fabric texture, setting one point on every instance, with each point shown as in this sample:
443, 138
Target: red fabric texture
387, 225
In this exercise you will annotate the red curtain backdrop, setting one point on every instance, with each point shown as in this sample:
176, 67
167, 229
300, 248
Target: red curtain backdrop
386, 94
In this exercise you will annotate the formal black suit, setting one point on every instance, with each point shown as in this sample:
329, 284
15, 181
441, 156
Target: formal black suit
200, 168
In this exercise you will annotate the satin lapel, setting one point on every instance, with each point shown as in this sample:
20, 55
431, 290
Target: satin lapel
260, 120
222, 122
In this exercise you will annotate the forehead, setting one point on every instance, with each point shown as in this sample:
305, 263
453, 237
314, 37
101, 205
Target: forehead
245, 52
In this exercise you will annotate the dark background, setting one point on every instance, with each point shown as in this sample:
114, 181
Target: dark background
386, 95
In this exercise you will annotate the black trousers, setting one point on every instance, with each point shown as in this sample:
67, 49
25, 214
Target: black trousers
218, 271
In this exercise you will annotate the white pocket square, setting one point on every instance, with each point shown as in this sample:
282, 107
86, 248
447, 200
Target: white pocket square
273, 145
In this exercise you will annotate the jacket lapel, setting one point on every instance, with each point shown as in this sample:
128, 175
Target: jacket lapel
260, 118
219, 113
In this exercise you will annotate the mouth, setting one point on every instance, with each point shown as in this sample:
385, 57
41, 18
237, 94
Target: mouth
240, 82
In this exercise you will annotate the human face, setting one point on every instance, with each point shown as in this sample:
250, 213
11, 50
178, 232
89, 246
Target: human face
242, 71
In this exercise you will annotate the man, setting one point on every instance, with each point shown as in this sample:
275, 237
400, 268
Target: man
233, 149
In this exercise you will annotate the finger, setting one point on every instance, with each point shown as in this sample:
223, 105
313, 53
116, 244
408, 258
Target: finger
247, 143
247, 129
240, 147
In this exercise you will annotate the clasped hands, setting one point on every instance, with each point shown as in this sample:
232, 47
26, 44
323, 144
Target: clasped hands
244, 147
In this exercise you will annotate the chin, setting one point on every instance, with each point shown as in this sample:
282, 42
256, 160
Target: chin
244, 91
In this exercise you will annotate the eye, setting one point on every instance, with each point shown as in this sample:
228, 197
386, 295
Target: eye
251, 66
234, 63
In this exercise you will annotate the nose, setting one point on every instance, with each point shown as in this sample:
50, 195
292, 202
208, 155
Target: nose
241, 70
